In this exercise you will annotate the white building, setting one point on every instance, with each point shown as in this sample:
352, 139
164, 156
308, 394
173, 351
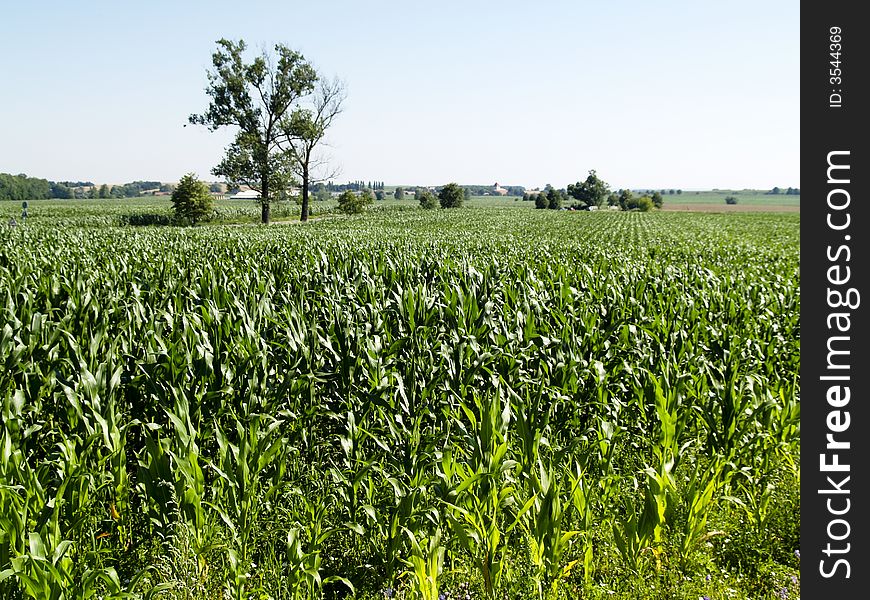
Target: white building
246, 195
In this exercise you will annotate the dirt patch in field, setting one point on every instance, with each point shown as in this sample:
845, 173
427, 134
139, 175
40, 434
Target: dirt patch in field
728, 208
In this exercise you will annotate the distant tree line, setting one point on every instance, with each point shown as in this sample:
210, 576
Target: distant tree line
789, 192
354, 186
22, 187
323, 191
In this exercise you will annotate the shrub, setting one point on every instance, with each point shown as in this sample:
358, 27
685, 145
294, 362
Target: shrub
352, 204
191, 200
554, 199
644, 204
428, 200
144, 220
730, 200
451, 196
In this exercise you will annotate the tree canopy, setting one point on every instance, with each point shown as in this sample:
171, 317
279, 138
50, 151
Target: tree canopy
451, 196
22, 187
592, 192
256, 97
427, 199
303, 133
352, 203
191, 200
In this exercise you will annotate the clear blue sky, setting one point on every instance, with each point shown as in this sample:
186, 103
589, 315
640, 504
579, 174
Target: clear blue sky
650, 94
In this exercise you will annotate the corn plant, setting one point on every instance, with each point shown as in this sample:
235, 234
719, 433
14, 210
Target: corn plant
425, 565
398, 399
549, 540
481, 497
241, 490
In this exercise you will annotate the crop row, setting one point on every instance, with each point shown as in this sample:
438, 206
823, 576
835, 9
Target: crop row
398, 401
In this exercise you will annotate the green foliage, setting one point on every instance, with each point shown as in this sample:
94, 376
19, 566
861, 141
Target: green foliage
554, 199
145, 219
399, 193
643, 204
255, 97
464, 406
657, 199
628, 201
427, 200
541, 200
352, 203
22, 187
304, 130
320, 192
451, 196
592, 191
191, 200
730, 199
59, 190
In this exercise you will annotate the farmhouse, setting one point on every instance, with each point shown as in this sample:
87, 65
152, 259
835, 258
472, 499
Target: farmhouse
497, 189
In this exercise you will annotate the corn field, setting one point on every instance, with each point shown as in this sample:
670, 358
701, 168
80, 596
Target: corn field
417, 404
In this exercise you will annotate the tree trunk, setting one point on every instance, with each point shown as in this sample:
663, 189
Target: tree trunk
264, 201
304, 216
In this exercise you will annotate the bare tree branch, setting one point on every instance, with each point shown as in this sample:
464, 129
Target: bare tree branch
305, 129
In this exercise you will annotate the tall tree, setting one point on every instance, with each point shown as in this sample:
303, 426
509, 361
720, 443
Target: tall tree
256, 98
303, 132
554, 199
593, 191
451, 196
